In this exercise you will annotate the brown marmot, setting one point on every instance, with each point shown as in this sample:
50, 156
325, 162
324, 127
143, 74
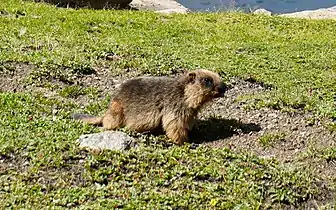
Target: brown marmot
146, 104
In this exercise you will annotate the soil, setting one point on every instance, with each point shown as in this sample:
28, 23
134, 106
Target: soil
299, 131
300, 134
12, 76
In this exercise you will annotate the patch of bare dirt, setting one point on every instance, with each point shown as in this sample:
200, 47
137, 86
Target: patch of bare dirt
23, 77
12, 163
71, 173
12, 76
225, 123
240, 130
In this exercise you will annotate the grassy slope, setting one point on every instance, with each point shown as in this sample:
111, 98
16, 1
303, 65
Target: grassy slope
40, 159
290, 54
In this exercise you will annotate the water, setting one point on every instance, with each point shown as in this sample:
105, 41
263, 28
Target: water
275, 6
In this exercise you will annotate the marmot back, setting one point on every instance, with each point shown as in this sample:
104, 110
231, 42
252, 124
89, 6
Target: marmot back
153, 91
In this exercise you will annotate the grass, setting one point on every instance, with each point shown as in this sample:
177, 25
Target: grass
289, 54
332, 126
268, 140
329, 154
40, 163
74, 91
43, 166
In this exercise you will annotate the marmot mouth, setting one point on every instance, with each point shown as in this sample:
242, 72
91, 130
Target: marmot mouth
220, 90
219, 95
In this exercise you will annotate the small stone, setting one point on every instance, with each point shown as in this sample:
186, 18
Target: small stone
262, 11
114, 81
171, 11
112, 57
273, 115
269, 127
22, 31
303, 134
36, 16
112, 140
258, 115
194, 146
160, 6
295, 128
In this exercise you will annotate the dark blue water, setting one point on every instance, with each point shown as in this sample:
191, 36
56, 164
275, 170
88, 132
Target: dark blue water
275, 6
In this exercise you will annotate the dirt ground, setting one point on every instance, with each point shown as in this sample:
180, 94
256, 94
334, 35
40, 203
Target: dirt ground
298, 134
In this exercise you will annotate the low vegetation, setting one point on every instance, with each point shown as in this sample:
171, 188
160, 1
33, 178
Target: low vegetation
55, 61
268, 140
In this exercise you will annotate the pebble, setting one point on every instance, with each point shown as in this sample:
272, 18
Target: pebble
112, 56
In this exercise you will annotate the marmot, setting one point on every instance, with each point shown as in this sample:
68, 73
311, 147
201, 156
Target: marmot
145, 104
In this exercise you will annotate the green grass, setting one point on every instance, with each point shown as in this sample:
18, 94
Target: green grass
74, 91
40, 163
289, 54
332, 127
44, 166
330, 154
268, 140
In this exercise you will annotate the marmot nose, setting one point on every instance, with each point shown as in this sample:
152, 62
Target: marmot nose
221, 89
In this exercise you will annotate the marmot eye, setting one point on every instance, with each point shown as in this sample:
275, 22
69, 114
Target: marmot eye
208, 82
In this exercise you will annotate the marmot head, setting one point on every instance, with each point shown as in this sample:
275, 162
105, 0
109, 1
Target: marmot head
201, 86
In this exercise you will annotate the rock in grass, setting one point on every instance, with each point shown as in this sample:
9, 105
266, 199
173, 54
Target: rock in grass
112, 140
322, 13
263, 11
160, 6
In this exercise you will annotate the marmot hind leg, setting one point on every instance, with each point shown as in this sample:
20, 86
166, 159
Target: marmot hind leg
114, 116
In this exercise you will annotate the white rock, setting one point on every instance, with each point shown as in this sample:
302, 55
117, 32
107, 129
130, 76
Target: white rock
162, 6
323, 13
262, 11
112, 140
170, 11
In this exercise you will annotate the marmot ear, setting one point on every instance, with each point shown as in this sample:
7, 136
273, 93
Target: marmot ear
191, 77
